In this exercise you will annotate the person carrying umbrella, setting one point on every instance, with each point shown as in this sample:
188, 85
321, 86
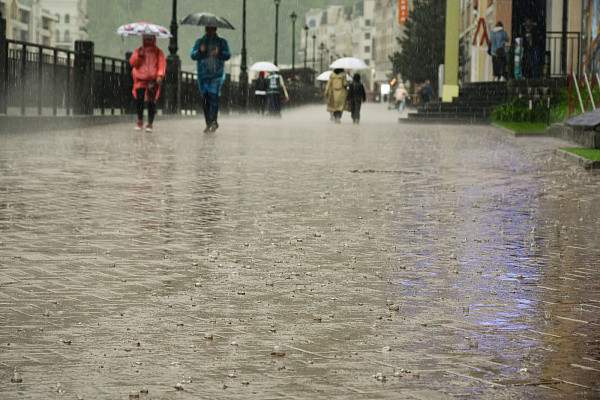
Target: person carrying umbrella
336, 93
149, 66
275, 86
210, 51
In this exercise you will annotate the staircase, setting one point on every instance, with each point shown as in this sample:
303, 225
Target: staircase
473, 105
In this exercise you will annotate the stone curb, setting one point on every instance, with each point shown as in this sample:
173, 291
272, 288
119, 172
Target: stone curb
28, 124
518, 133
577, 159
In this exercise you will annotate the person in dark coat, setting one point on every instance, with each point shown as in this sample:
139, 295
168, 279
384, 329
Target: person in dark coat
356, 95
260, 92
533, 42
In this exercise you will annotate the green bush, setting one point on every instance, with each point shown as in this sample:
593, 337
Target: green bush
517, 110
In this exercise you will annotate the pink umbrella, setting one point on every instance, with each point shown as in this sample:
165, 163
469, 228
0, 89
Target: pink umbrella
144, 28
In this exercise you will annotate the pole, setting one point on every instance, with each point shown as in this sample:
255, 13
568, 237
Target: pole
314, 54
173, 78
563, 45
276, 29
305, 45
450, 88
244, 66
293, 17
3, 68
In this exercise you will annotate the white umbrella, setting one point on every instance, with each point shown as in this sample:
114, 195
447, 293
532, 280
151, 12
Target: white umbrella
144, 28
325, 76
264, 66
349, 63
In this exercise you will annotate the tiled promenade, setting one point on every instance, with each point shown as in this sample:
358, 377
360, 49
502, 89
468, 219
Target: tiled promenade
297, 259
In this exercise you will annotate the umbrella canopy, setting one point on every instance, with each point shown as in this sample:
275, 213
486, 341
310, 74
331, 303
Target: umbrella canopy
207, 19
325, 76
349, 63
264, 66
144, 28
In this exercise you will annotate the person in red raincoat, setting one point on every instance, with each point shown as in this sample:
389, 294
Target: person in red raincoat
149, 66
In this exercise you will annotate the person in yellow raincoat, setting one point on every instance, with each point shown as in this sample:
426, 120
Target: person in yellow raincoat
336, 93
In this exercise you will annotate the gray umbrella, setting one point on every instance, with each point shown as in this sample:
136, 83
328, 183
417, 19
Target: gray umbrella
207, 19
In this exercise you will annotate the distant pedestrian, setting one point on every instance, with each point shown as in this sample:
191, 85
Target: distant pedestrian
518, 56
400, 95
498, 49
532, 48
260, 92
210, 51
356, 96
336, 93
149, 66
426, 93
275, 86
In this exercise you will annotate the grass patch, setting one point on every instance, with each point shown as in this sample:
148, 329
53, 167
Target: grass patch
523, 126
590, 154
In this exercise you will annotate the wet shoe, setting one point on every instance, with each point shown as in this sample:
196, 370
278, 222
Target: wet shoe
149, 128
139, 125
213, 126
207, 129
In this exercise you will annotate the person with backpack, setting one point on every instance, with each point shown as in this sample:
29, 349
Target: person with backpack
260, 92
356, 95
498, 51
275, 86
336, 94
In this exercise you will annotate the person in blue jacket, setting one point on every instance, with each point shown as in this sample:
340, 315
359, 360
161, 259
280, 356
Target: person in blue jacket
210, 51
499, 51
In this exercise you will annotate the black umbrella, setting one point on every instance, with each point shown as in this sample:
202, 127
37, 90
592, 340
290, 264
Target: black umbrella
207, 19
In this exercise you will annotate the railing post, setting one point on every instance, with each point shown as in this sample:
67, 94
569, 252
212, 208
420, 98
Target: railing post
127, 86
3, 67
173, 85
84, 78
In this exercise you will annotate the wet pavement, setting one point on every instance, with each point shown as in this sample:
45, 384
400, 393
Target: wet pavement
296, 258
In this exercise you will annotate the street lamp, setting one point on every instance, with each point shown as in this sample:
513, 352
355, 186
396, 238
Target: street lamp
293, 17
314, 37
305, 45
321, 48
244, 66
173, 67
276, 28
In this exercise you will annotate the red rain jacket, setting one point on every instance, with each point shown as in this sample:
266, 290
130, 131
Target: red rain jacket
147, 68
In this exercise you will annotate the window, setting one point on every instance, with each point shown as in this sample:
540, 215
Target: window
58, 18
367, 49
67, 19
367, 22
367, 61
57, 36
368, 35
67, 36
24, 36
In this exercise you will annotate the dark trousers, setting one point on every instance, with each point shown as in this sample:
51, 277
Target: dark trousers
355, 108
210, 106
141, 104
499, 66
262, 101
274, 103
532, 63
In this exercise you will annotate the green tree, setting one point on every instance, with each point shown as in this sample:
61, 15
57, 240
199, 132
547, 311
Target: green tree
423, 45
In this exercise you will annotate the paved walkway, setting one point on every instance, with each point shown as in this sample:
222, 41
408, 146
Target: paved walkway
296, 259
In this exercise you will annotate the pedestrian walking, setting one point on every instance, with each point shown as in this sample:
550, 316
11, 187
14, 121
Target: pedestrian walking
532, 45
275, 86
336, 93
426, 93
260, 92
210, 51
356, 95
149, 67
400, 95
498, 49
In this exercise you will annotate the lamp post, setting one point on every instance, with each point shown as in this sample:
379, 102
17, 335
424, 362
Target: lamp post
305, 45
321, 50
173, 81
293, 17
276, 28
314, 37
244, 66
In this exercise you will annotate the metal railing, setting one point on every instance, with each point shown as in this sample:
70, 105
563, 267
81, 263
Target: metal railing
563, 53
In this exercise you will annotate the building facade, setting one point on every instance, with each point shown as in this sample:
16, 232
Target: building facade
28, 21
71, 21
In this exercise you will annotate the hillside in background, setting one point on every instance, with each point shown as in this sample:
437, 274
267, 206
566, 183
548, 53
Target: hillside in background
107, 15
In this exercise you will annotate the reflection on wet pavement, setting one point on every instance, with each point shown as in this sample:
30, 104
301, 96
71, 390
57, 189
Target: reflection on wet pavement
295, 258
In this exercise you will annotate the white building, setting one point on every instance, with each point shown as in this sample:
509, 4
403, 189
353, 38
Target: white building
71, 21
28, 21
